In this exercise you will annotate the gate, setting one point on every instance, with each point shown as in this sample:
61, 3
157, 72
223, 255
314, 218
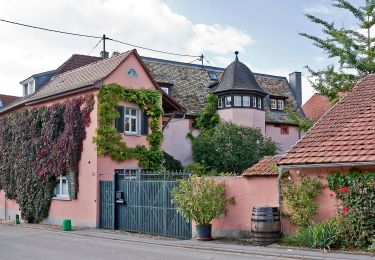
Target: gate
107, 204
143, 203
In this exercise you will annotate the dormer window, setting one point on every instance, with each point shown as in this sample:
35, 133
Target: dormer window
212, 75
165, 89
1, 104
280, 104
273, 104
29, 87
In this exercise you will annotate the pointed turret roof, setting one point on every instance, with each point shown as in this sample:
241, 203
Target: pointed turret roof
237, 76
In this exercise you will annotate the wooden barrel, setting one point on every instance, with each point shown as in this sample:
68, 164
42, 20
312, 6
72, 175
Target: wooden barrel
265, 225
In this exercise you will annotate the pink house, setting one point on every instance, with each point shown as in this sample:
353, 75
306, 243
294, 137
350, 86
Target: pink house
246, 98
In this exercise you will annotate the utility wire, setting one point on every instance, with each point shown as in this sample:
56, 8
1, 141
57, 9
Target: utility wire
51, 30
98, 37
149, 49
95, 46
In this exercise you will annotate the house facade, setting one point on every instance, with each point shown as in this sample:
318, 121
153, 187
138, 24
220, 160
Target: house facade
246, 98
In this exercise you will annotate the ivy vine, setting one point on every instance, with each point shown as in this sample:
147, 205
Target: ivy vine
36, 146
109, 141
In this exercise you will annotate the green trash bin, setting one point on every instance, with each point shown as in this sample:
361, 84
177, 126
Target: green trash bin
67, 225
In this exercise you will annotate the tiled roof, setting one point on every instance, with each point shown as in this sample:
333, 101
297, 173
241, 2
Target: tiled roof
346, 133
85, 76
76, 61
316, 106
265, 167
6, 99
191, 85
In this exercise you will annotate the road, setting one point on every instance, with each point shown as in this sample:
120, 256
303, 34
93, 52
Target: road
24, 243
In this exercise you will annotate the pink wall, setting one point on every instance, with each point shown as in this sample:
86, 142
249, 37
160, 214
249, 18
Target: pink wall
327, 204
244, 116
175, 142
285, 141
8, 208
248, 192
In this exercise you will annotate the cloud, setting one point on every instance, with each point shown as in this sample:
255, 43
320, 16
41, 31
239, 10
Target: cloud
317, 8
149, 23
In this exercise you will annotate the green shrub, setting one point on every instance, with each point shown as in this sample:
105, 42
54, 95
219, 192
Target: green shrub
355, 194
322, 235
299, 199
372, 246
171, 164
200, 199
231, 148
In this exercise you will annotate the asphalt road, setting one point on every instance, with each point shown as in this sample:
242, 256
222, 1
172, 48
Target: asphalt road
24, 243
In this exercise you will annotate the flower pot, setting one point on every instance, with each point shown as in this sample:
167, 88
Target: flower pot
204, 232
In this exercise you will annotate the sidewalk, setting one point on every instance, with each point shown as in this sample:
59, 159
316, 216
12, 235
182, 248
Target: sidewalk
216, 245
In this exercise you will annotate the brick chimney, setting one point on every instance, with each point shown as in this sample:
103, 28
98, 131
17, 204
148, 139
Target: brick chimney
295, 82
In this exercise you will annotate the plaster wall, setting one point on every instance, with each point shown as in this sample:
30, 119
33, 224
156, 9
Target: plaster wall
244, 116
175, 141
285, 141
248, 192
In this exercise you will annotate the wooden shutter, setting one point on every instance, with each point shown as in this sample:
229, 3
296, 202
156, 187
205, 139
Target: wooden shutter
144, 123
119, 122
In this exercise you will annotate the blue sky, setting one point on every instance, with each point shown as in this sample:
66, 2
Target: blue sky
265, 32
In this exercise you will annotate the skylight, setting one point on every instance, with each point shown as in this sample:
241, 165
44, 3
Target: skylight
212, 75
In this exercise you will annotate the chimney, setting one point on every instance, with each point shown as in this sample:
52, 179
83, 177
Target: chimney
104, 55
295, 82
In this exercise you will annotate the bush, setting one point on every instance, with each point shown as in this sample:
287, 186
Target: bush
322, 235
171, 164
355, 194
299, 199
200, 199
231, 148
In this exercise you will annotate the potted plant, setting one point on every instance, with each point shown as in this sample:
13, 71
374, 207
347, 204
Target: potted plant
202, 200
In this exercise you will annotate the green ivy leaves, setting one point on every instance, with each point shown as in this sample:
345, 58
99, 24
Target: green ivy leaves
109, 142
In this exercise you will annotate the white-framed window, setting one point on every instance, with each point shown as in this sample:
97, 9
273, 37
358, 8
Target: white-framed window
228, 101
62, 187
131, 120
237, 101
165, 89
273, 103
246, 101
29, 87
280, 104
220, 102
259, 103
254, 102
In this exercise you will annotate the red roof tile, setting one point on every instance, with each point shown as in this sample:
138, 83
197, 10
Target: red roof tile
266, 166
346, 133
6, 100
316, 106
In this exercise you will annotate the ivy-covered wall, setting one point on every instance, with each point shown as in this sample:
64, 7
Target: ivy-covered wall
36, 146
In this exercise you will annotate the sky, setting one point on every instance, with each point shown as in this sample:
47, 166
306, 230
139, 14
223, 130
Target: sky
264, 32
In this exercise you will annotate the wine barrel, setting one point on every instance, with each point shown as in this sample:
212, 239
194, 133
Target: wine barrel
265, 225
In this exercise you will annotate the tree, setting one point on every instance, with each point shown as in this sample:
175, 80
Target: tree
354, 50
208, 118
231, 148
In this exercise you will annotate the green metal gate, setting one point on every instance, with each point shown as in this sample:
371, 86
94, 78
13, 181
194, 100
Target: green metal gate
107, 204
143, 203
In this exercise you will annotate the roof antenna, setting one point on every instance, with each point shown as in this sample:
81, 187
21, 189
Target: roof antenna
236, 52
201, 58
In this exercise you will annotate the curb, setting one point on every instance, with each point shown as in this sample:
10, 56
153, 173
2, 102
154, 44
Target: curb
194, 247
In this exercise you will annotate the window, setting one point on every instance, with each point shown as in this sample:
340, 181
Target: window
29, 88
165, 89
212, 75
246, 101
228, 101
62, 187
237, 101
273, 104
132, 73
284, 130
280, 104
254, 102
1, 104
131, 120
259, 103
220, 102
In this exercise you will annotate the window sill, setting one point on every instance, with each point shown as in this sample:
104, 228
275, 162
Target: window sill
61, 198
132, 134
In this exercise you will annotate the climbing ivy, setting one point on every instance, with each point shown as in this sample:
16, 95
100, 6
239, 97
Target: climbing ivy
109, 141
36, 146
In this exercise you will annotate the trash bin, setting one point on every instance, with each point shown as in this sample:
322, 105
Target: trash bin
67, 225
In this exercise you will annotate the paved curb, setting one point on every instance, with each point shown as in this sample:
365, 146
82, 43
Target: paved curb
298, 254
